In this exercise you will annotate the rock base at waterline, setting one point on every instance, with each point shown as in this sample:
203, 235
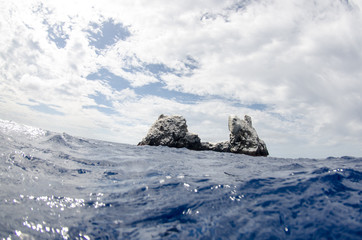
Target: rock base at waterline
172, 131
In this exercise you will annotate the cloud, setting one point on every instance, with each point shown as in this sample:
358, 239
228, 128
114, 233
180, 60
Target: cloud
113, 67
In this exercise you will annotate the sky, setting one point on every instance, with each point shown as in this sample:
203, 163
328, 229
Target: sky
107, 69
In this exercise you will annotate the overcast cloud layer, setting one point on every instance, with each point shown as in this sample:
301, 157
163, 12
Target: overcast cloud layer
108, 69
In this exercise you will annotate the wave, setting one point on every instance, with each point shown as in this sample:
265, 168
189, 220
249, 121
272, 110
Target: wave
57, 186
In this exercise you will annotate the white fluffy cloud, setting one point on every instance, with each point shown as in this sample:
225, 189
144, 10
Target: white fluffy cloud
294, 67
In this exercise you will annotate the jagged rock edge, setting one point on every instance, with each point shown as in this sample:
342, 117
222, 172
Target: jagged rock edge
172, 131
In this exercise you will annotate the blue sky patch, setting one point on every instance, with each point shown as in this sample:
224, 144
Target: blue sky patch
158, 89
239, 6
104, 105
191, 63
44, 108
107, 33
101, 99
57, 34
254, 106
154, 89
116, 82
105, 110
258, 106
155, 69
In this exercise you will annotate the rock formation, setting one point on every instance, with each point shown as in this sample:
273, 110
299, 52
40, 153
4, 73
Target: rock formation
244, 139
172, 131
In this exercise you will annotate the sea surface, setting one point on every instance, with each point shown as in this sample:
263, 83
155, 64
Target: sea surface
57, 186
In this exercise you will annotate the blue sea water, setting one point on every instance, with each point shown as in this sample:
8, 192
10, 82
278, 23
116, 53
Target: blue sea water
57, 186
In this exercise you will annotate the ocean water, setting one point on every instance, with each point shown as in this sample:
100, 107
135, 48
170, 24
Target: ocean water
57, 186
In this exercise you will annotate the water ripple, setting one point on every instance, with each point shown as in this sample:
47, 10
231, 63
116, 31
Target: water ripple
55, 186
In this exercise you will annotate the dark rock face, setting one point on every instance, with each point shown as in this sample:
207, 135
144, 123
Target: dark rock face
172, 131
244, 139
218, 147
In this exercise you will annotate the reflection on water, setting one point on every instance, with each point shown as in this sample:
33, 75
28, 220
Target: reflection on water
47, 232
44, 228
55, 186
